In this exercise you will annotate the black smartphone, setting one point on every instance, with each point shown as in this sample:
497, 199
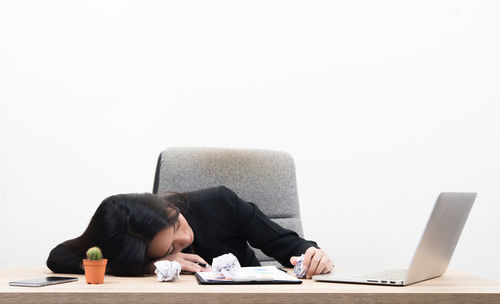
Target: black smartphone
43, 281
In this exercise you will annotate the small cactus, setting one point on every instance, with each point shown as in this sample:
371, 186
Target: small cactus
94, 254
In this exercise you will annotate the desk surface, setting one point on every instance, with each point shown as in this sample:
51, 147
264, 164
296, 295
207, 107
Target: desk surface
453, 287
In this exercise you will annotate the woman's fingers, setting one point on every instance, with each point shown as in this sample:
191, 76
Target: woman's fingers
201, 263
321, 265
194, 267
190, 266
206, 269
316, 261
310, 261
329, 266
306, 264
194, 258
189, 262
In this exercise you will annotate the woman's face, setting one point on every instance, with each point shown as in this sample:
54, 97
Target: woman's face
171, 240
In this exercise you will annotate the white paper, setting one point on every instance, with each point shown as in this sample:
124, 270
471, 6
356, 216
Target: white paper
256, 273
167, 271
299, 270
225, 266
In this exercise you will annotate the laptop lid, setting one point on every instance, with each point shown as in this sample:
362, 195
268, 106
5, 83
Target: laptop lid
440, 237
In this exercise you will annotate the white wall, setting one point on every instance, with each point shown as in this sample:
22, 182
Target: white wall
383, 104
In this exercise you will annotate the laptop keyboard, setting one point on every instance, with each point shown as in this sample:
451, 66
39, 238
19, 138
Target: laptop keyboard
390, 274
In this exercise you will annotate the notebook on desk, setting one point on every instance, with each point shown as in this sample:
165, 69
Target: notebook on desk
250, 275
433, 252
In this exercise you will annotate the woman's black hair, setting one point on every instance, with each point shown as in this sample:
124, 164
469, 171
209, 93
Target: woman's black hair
123, 226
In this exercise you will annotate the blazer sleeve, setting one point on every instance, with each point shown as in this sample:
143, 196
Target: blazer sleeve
62, 260
261, 232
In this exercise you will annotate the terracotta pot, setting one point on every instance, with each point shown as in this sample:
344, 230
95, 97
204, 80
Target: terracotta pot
94, 270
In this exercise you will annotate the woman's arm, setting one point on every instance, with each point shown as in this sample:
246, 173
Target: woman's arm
274, 240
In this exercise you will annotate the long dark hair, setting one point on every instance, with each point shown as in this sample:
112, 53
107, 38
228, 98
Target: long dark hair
123, 225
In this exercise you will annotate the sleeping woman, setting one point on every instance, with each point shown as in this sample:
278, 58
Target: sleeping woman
136, 230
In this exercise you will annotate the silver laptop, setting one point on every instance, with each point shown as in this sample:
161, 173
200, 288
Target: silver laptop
433, 252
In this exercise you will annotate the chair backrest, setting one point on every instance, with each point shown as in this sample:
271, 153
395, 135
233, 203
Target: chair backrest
266, 178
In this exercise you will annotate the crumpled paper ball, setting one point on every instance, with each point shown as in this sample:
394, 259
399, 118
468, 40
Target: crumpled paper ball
298, 269
225, 266
167, 271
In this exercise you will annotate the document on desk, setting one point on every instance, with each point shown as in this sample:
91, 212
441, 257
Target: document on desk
250, 275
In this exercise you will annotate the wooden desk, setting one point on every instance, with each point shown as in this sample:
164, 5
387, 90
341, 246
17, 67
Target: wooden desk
453, 287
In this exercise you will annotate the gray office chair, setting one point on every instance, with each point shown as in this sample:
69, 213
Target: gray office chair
266, 178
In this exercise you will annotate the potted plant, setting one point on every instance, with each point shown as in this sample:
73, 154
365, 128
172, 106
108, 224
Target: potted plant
95, 266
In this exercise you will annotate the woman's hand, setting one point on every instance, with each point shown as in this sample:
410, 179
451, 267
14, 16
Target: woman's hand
315, 261
188, 261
